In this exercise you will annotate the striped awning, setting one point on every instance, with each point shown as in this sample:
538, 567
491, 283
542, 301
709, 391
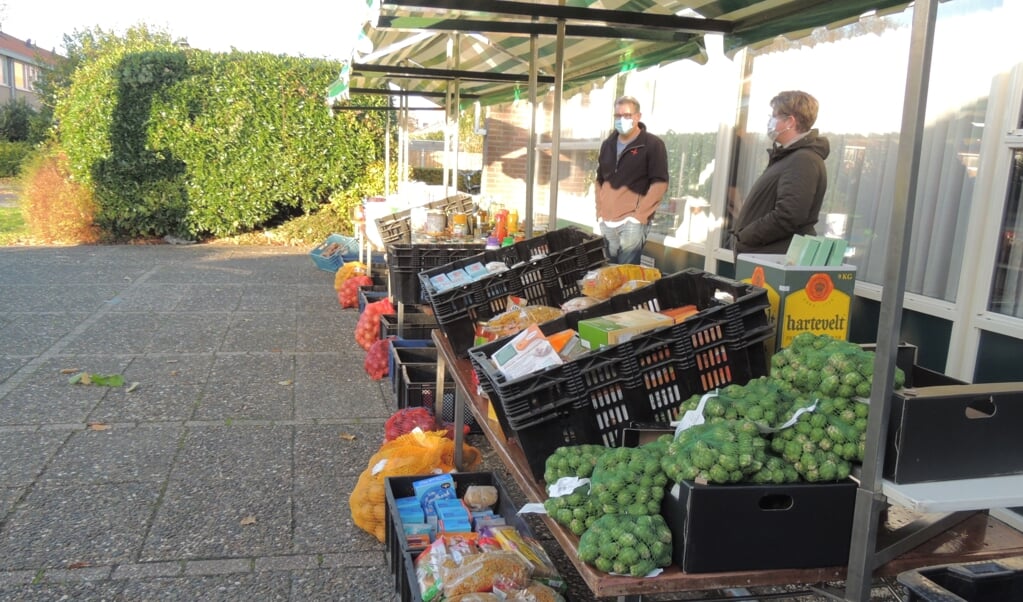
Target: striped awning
488, 45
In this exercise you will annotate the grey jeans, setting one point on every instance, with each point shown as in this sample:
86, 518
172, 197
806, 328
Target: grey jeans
624, 244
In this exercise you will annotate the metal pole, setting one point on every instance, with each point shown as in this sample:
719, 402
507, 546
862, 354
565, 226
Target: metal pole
559, 81
534, 55
869, 498
456, 138
387, 152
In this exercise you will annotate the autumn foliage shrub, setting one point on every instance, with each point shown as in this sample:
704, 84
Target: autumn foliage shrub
56, 209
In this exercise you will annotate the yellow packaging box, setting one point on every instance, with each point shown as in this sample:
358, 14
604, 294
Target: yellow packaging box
620, 327
813, 299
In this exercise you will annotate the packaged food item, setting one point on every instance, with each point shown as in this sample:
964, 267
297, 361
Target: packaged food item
480, 497
479, 572
603, 282
517, 319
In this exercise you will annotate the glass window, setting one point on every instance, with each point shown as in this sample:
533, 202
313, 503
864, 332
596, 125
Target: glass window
1007, 286
860, 114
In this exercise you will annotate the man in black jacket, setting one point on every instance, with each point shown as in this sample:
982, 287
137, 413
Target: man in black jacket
786, 199
632, 176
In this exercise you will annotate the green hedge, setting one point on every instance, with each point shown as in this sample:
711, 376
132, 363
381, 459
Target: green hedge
12, 155
192, 143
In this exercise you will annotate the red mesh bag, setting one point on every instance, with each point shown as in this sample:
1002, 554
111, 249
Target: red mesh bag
348, 295
375, 363
367, 330
403, 421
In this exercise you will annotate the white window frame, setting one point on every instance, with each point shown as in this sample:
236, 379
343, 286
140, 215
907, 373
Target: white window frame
1001, 139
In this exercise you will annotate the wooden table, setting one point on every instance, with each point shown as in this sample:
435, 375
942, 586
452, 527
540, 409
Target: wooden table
967, 537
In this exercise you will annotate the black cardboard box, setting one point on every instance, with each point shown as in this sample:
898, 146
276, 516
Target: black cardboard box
956, 431
717, 528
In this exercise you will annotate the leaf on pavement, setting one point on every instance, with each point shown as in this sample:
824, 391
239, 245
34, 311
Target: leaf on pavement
132, 387
103, 380
248, 520
78, 565
348, 436
98, 426
70, 370
284, 383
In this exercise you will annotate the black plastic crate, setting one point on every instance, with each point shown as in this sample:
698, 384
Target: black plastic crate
400, 556
544, 270
416, 325
370, 294
395, 228
701, 344
401, 356
643, 379
985, 581
417, 388
405, 261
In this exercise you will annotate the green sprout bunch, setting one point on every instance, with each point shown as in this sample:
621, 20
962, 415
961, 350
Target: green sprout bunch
775, 471
823, 443
572, 461
717, 452
577, 511
626, 544
822, 366
629, 480
762, 400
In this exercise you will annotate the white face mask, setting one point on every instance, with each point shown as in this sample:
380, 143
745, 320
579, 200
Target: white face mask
772, 133
623, 126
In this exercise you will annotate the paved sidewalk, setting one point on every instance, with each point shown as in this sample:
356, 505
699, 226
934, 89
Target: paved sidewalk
223, 474
247, 376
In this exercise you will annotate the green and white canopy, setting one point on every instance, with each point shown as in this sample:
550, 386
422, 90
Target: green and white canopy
488, 45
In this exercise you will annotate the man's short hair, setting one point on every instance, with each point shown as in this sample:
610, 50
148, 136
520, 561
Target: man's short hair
630, 100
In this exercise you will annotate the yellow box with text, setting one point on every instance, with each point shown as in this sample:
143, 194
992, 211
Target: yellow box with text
813, 299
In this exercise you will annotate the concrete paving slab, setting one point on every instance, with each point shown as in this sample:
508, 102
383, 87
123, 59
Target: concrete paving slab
150, 401
97, 524
195, 299
126, 332
355, 584
34, 333
252, 331
246, 367
171, 370
44, 404
222, 518
86, 591
268, 587
187, 332
24, 454
10, 364
246, 401
330, 452
8, 497
137, 454
222, 453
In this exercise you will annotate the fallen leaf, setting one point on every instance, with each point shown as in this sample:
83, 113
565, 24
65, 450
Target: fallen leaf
175, 372
348, 436
78, 565
70, 370
284, 382
98, 426
248, 520
132, 387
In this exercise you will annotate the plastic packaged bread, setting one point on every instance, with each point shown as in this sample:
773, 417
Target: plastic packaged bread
603, 282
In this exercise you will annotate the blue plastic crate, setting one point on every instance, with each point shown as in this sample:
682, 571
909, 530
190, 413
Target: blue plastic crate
332, 253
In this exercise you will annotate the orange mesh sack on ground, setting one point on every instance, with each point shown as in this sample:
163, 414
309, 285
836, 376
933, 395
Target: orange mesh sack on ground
352, 268
417, 453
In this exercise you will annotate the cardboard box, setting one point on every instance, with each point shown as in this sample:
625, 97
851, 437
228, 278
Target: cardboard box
620, 327
716, 528
813, 299
950, 432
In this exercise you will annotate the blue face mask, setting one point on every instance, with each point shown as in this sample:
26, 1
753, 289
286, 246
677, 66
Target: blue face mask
623, 126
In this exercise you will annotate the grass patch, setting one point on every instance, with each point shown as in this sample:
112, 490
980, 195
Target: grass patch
13, 229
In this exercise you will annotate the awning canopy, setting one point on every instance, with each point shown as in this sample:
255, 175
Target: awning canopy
422, 45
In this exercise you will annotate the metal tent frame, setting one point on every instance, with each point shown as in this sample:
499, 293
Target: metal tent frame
588, 45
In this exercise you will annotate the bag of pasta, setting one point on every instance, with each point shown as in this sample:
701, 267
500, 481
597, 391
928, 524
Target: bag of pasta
516, 320
479, 573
